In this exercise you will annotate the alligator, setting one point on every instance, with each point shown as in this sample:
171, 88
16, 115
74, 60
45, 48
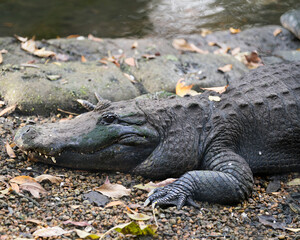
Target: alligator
214, 147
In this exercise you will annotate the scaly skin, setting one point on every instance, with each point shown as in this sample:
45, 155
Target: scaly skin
215, 146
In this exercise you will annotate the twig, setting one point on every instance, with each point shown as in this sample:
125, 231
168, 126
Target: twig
70, 113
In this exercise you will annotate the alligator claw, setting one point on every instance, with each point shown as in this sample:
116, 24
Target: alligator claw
171, 195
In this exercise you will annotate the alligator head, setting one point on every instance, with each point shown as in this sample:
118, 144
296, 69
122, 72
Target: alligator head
114, 136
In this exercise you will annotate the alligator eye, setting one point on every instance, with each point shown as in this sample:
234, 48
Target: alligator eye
108, 118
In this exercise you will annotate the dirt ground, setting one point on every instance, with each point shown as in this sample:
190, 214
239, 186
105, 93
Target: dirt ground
65, 201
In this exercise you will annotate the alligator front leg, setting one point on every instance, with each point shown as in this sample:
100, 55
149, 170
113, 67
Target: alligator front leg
228, 180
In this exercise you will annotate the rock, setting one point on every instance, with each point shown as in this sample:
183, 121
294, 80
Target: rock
291, 21
33, 92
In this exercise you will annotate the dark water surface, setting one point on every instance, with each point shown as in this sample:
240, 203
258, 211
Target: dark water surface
134, 18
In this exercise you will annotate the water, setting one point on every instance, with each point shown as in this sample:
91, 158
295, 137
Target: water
134, 18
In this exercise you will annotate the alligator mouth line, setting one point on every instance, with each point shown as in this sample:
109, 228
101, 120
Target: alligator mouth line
35, 155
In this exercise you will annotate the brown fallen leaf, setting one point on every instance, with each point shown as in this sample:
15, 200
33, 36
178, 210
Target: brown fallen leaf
29, 184
15, 187
234, 30
113, 190
219, 90
137, 216
225, 68
182, 90
277, 31
50, 232
253, 60
114, 203
87, 235
30, 47
80, 224
83, 59
34, 188
8, 110
130, 61
43, 53
10, 152
48, 177
183, 45
134, 45
151, 185
95, 39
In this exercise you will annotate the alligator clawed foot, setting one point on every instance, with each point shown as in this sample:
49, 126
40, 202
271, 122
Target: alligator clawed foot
170, 195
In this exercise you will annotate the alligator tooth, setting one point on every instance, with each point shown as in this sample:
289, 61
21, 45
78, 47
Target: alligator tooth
40, 154
53, 159
46, 156
26, 152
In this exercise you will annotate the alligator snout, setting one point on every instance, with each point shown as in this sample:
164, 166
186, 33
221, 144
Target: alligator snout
25, 135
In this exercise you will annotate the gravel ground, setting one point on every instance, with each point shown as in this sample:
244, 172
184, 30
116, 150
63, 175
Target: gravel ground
65, 202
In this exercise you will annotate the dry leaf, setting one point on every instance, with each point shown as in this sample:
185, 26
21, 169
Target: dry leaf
130, 77
43, 53
214, 98
8, 110
95, 39
80, 224
29, 184
234, 30
48, 177
253, 60
130, 61
21, 39
34, 188
15, 187
182, 90
217, 89
10, 151
294, 182
204, 32
277, 31
114, 203
235, 51
84, 234
30, 47
83, 59
183, 45
293, 229
50, 232
22, 179
222, 50
134, 45
113, 190
212, 44
72, 36
138, 216
225, 68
